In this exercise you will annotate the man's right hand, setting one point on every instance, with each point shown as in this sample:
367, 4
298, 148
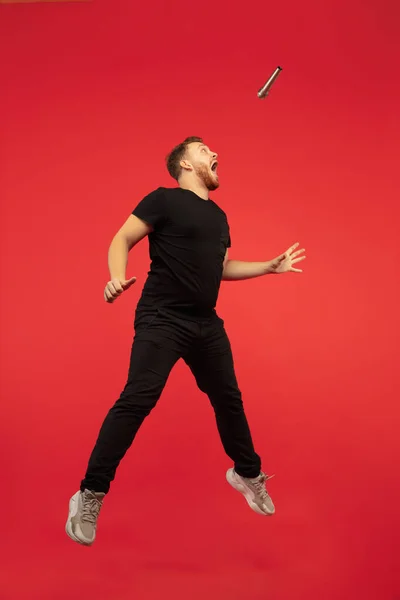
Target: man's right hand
115, 287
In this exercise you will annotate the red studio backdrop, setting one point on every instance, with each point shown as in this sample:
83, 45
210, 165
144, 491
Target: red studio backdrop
93, 96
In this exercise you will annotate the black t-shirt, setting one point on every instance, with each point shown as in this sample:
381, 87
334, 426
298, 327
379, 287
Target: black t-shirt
187, 249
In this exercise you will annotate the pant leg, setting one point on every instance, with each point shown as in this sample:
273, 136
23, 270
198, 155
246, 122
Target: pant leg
211, 363
156, 348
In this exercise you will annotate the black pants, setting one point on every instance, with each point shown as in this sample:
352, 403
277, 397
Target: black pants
161, 339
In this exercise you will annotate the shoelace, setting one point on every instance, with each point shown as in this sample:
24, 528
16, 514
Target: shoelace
259, 485
91, 507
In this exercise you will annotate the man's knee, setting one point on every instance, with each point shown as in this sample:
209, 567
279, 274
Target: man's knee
227, 400
141, 396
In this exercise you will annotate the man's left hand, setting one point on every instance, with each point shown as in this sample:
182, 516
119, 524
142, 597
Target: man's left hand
284, 262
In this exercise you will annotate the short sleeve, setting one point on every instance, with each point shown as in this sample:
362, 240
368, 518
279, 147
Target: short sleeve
151, 209
228, 243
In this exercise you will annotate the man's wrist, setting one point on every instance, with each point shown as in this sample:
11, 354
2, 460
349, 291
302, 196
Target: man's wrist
268, 266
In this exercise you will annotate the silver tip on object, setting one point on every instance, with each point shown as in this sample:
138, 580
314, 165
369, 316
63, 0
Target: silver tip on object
263, 93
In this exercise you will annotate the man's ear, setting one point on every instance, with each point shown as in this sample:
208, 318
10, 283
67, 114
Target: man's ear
185, 164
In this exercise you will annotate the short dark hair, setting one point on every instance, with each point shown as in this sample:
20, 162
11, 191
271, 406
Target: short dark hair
175, 156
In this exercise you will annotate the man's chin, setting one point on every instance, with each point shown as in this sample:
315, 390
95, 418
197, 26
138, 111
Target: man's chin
209, 178
214, 184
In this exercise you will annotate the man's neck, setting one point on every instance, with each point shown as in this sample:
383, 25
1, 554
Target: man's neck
197, 189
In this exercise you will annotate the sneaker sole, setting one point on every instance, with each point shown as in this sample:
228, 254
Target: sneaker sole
239, 487
73, 507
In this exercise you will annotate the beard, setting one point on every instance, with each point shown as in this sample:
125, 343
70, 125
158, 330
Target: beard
208, 177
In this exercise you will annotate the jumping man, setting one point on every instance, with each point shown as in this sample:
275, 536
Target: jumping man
176, 319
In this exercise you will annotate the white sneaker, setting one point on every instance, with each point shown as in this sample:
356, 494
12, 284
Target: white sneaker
253, 490
84, 509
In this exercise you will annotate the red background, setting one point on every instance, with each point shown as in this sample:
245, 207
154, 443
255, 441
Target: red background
93, 97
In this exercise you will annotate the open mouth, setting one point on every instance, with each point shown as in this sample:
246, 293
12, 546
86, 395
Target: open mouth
214, 167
